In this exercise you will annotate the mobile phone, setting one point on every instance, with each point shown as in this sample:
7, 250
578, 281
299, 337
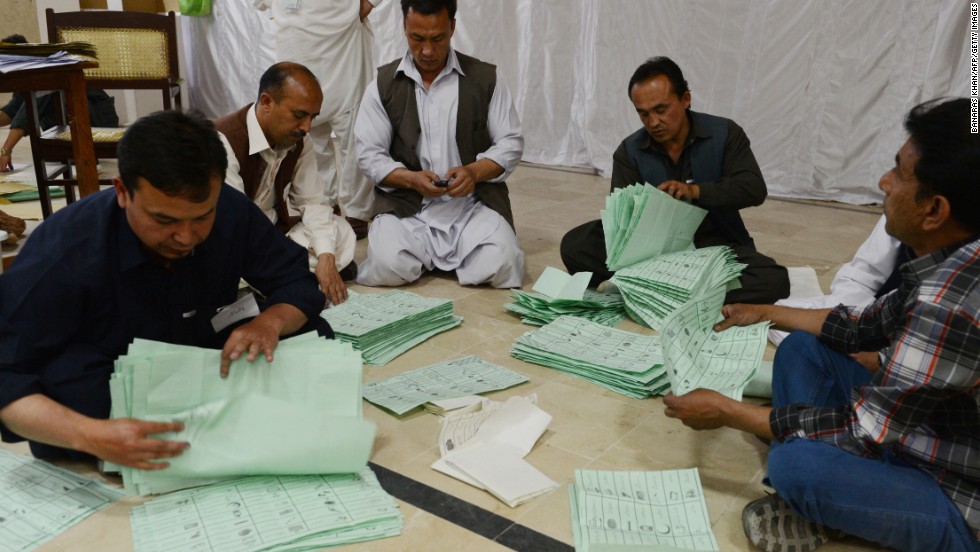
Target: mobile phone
440, 183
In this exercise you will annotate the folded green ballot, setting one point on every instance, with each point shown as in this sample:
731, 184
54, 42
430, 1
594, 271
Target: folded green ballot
299, 414
640, 222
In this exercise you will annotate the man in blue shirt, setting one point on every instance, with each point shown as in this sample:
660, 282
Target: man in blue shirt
153, 258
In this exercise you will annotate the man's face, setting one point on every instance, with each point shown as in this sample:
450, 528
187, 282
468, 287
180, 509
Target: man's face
903, 214
287, 121
170, 227
428, 39
662, 112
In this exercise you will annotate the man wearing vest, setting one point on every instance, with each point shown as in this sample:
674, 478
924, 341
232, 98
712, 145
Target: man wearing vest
271, 159
437, 133
695, 157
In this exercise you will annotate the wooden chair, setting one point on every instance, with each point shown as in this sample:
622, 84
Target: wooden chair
136, 51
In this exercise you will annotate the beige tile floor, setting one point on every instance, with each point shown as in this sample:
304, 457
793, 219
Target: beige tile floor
592, 427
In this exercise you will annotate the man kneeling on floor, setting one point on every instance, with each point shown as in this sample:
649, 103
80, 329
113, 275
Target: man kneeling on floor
891, 456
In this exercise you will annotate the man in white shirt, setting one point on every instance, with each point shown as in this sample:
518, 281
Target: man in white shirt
333, 38
438, 134
271, 159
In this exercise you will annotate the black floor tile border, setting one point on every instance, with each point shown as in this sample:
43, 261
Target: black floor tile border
468, 516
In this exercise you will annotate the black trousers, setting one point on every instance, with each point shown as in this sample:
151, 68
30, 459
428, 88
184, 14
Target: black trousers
583, 249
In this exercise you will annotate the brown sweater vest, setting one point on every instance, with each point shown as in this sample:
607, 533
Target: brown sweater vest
252, 167
397, 93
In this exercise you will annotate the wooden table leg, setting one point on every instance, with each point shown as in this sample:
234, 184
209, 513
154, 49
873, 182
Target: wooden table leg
83, 149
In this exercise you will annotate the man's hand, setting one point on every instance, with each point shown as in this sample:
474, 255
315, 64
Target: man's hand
6, 163
366, 8
462, 181
680, 190
127, 442
698, 409
422, 182
741, 315
331, 284
706, 409
259, 335
869, 359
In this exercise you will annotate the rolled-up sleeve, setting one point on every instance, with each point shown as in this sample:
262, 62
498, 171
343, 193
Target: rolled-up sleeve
504, 126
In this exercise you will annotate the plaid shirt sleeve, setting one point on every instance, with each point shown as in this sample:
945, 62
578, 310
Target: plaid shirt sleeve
931, 363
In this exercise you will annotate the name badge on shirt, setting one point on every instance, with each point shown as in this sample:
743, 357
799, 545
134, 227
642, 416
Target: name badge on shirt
290, 5
246, 307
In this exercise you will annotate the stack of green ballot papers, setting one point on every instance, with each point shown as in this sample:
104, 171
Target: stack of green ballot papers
624, 362
640, 222
635, 510
38, 501
447, 380
537, 310
298, 415
654, 288
558, 293
285, 513
384, 325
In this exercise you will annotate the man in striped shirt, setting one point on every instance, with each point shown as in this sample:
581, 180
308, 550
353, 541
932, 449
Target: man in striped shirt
891, 456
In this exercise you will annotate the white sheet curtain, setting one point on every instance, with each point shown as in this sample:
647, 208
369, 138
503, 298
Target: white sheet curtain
820, 86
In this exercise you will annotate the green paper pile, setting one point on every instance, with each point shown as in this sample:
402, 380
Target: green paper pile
640, 222
298, 415
624, 362
654, 288
537, 309
384, 325
285, 513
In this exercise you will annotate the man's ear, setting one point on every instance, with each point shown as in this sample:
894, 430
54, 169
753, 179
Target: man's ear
938, 212
266, 101
122, 194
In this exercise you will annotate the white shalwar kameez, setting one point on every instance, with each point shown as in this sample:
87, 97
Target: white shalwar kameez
460, 234
858, 281
329, 38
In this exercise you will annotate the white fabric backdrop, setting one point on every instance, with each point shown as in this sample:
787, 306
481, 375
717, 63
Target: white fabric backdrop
820, 86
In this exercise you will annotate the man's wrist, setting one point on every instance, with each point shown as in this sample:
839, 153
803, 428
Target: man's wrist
4, 152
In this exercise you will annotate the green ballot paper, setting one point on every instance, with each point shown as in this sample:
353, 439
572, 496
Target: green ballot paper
299, 414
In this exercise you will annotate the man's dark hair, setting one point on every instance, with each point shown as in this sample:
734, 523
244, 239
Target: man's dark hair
274, 78
15, 39
429, 7
177, 153
656, 66
949, 156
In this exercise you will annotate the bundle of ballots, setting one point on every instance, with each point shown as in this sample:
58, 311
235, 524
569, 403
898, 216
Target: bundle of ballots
640, 222
654, 288
558, 293
535, 309
268, 513
384, 325
297, 415
641, 511
624, 362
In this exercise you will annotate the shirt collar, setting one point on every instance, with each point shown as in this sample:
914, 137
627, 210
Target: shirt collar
919, 268
257, 142
408, 68
696, 132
